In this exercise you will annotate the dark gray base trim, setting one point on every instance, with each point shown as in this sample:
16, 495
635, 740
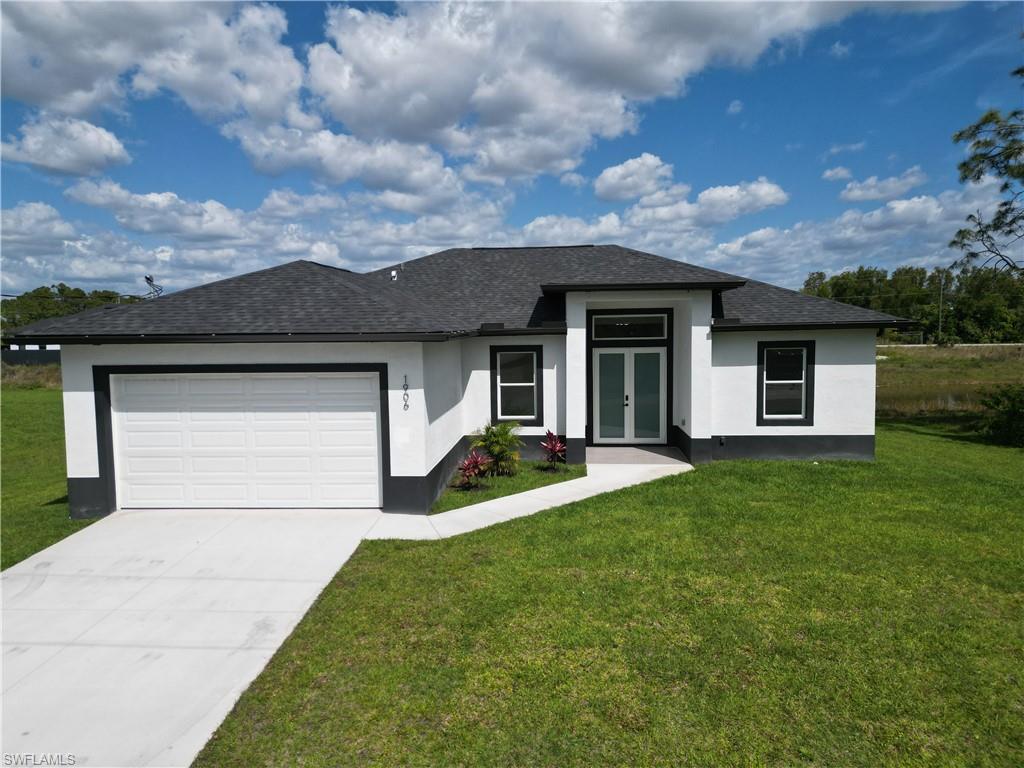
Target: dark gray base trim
576, 450
87, 497
860, 447
697, 450
414, 495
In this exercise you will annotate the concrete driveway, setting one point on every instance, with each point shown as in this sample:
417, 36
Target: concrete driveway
127, 643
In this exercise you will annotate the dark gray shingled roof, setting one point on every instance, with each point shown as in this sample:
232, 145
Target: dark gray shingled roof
451, 292
301, 297
763, 305
507, 285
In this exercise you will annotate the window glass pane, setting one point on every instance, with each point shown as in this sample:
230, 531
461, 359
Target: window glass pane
516, 367
784, 364
611, 413
783, 399
629, 327
516, 401
647, 393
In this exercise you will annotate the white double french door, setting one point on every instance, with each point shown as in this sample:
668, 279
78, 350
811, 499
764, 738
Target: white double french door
629, 395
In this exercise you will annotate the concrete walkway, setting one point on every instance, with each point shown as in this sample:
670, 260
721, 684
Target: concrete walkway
609, 469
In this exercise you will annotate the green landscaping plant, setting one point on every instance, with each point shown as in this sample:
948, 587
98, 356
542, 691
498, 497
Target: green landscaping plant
1003, 420
501, 442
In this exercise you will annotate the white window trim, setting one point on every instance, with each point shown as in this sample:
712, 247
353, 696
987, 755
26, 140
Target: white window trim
663, 335
532, 384
801, 381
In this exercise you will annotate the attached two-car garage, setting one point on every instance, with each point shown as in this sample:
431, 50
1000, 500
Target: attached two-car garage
246, 440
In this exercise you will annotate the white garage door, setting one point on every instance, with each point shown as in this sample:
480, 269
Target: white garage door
246, 440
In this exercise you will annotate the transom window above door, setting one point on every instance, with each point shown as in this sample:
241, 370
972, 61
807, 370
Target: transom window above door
785, 383
631, 327
517, 385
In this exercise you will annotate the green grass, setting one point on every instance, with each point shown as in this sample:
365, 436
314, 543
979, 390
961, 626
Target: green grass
927, 380
532, 474
746, 613
33, 501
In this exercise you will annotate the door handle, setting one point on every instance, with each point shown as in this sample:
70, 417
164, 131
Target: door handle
626, 404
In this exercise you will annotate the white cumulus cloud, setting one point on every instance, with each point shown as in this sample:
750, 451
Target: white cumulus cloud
65, 145
635, 177
839, 173
874, 188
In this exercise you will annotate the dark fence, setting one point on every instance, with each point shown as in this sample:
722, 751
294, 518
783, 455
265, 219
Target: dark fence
30, 356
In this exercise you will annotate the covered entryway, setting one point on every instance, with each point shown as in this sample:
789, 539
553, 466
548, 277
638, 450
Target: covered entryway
246, 440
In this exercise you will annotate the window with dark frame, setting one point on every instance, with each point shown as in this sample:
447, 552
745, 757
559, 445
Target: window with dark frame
517, 385
629, 327
785, 395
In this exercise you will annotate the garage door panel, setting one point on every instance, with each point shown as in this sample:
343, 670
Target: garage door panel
141, 492
216, 438
215, 386
285, 464
246, 440
281, 385
351, 463
349, 386
172, 416
338, 438
218, 416
219, 464
167, 465
221, 493
153, 439
274, 416
151, 385
281, 438
284, 492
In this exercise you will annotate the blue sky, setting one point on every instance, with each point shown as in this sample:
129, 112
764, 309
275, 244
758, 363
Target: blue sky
195, 142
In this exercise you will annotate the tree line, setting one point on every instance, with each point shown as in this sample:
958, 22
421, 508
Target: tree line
970, 305
55, 301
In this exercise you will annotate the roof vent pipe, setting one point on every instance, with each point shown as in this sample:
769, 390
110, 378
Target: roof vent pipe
394, 275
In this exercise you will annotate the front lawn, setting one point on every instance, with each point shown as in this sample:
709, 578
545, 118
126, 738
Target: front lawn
746, 613
532, 474
33, 504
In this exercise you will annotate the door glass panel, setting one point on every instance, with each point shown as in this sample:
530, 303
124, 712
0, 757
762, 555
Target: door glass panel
612, 393
647, 395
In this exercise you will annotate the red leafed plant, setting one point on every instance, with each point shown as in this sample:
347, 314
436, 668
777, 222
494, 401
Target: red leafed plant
554, 449
472, 468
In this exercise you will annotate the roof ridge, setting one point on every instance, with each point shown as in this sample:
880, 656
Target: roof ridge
355, 280
530, 247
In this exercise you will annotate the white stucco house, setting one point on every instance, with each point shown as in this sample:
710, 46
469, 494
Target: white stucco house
306, 385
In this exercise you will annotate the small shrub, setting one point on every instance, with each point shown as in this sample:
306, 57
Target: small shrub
1003, 419
31, 376
501, 443
471, 469
554, 449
